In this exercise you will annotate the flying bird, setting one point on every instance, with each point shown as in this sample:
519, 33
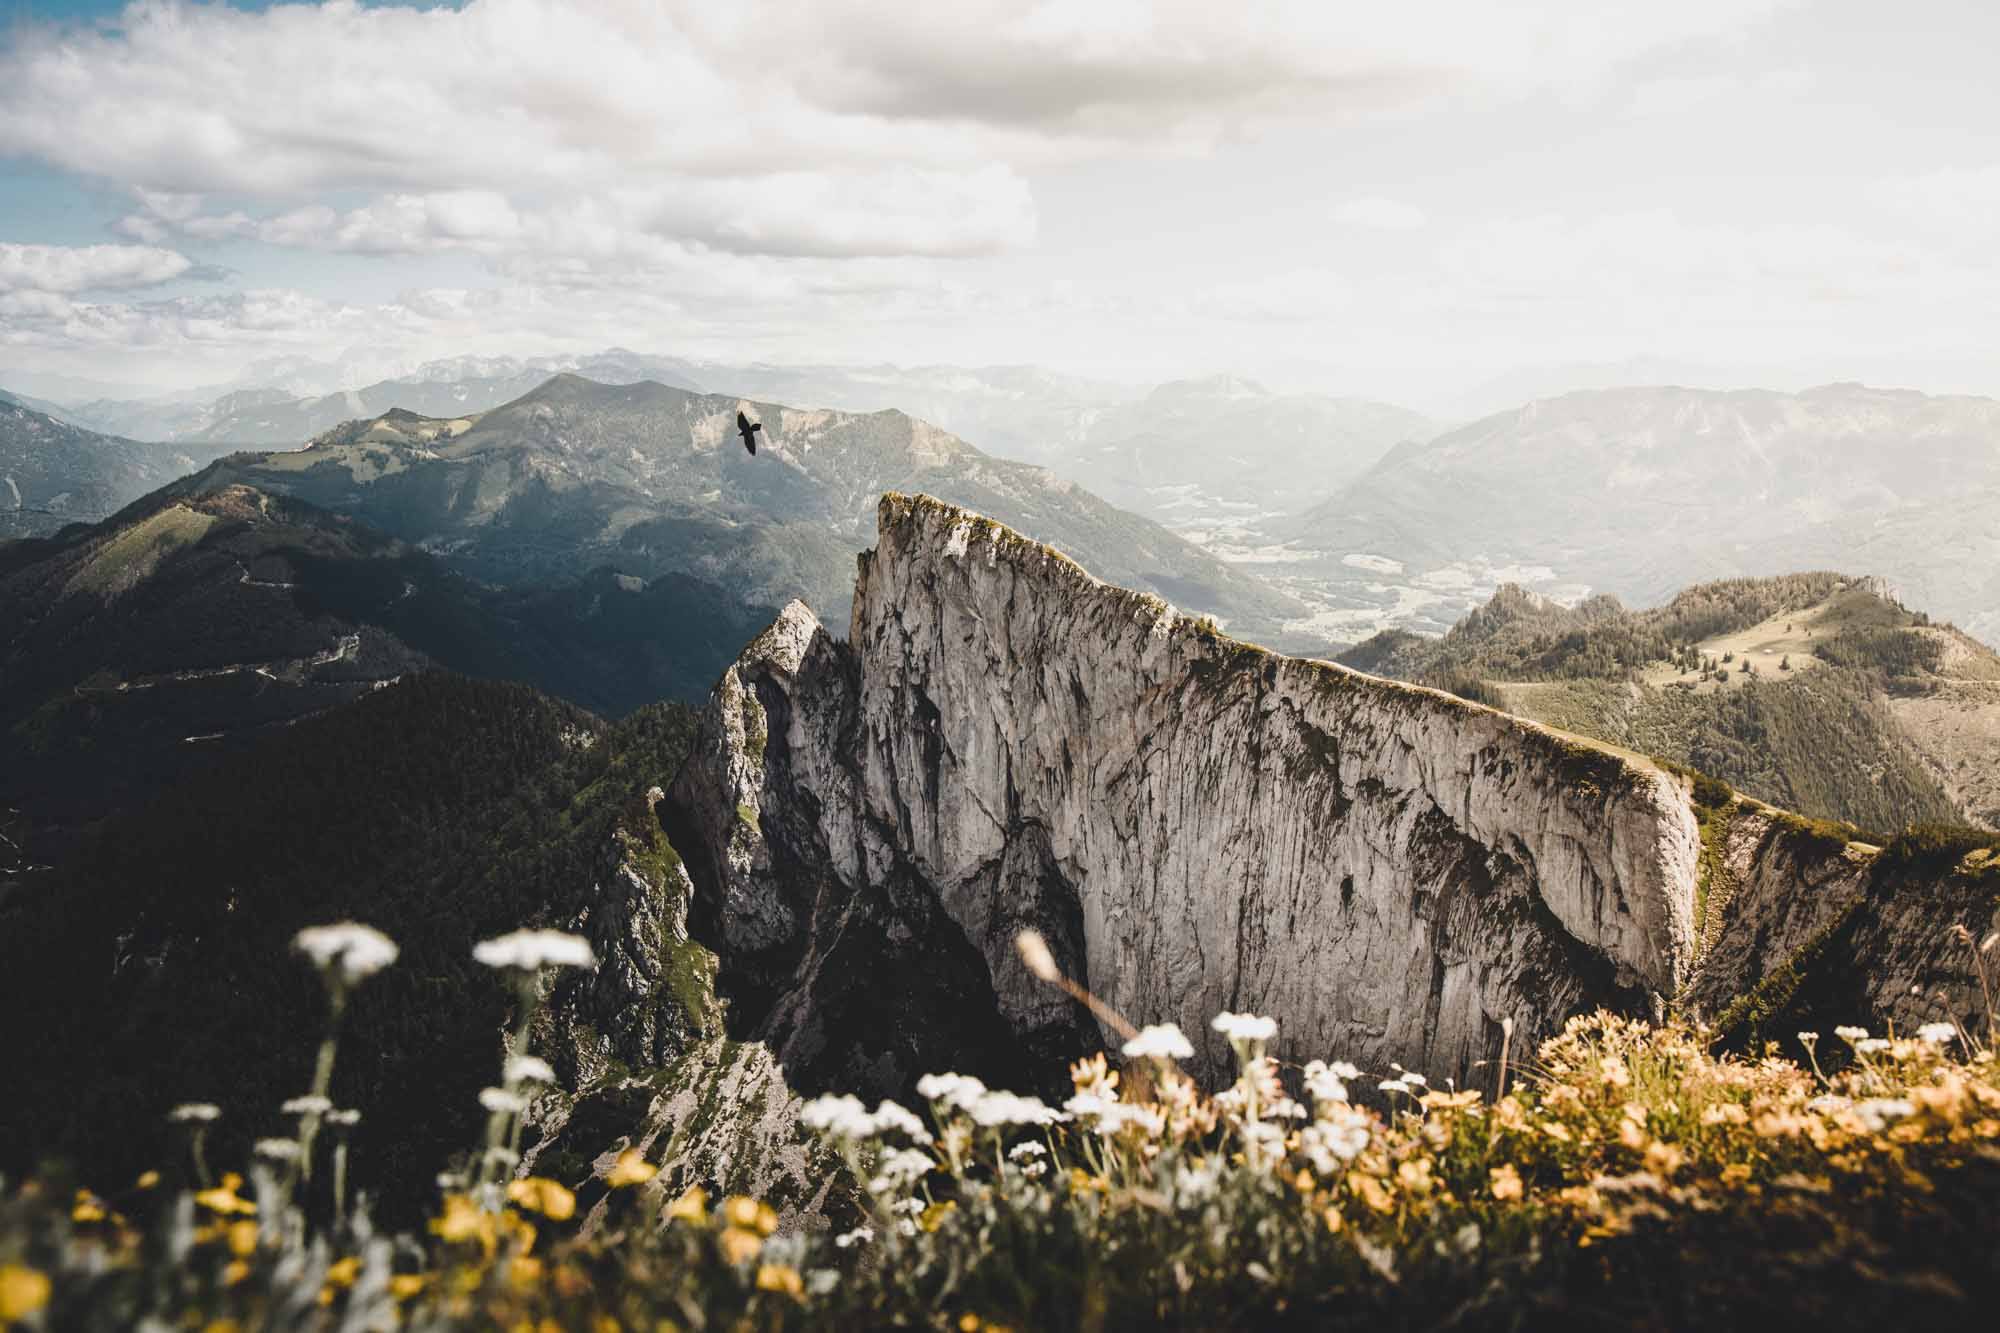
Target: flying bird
749, 430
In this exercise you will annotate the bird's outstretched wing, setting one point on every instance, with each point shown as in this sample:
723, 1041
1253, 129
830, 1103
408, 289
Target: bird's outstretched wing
742, 423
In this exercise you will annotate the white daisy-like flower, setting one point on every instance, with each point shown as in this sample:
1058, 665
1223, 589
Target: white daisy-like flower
308, 1105
840, 1115
1851, 1034
343, 1118
1937, 1034
1871, 1045
1808, 1038
894, 1116
1005, 1108
961, 1091
1343, 1069
529, 1069
1159, 1041
277, 1150
858, 1236
1021, 1152
349, 948
502, 1102
194, 1113
532, 950
1246, 1027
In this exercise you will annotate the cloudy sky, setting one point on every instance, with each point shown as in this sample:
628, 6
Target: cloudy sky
1411, 201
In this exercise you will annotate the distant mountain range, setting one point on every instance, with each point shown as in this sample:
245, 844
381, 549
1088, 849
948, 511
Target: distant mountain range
1640, 491
53, 473
651, 479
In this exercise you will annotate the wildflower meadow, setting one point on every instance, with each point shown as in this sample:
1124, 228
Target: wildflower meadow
1623, 1175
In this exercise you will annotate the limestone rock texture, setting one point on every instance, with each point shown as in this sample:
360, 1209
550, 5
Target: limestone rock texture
1195, 824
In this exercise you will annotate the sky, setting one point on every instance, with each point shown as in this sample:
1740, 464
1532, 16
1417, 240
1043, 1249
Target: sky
1432, 202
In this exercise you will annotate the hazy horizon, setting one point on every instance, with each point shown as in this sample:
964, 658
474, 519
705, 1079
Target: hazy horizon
1444, 206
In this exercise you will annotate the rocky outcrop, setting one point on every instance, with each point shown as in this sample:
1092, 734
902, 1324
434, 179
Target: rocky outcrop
1194, 823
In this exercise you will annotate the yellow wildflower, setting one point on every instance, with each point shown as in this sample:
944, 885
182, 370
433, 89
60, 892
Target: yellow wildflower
1736, 1173
1506, 1182
1372, 1192
242, 1237
740, 1246
525, 1273
541, 1195
343, 1273
781, 1277
739, 1211
405, 1285
463, 1220
234, 1272
23, 1291
933, 1216
147, 1180
632, 1168
223, 1198
87, 1208
690, 1207
1332, 1218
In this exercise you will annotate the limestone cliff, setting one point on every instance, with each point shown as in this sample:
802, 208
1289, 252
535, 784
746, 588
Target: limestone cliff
1195, 824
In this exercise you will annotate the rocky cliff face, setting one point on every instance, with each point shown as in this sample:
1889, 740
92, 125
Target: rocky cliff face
1195, 824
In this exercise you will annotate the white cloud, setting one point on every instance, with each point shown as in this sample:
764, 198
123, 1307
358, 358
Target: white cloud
1381, 214
77, 268
846, 127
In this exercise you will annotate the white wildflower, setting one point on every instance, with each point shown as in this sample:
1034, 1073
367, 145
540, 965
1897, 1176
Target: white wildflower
1342, 1130
1851, 1034
1392, 1085
1342, 1069
502, 1102
1877, 1112
910, 1206
905, 1227
1020, 1152
891, 1115
353, 950
1808, 1038
1286, 1109
194, 1113
531, 950
309, 1105
277, 1150
1245, 1027
899, 1169
1196, 1185
1034, 1170
529, 1069
343, 1119
1871, 1045
858, 1236
1827, 1103
1035, 953
960, 1091
1324, 1082
1937, 1034
841, 1116
1005, 1108
1159, 1041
